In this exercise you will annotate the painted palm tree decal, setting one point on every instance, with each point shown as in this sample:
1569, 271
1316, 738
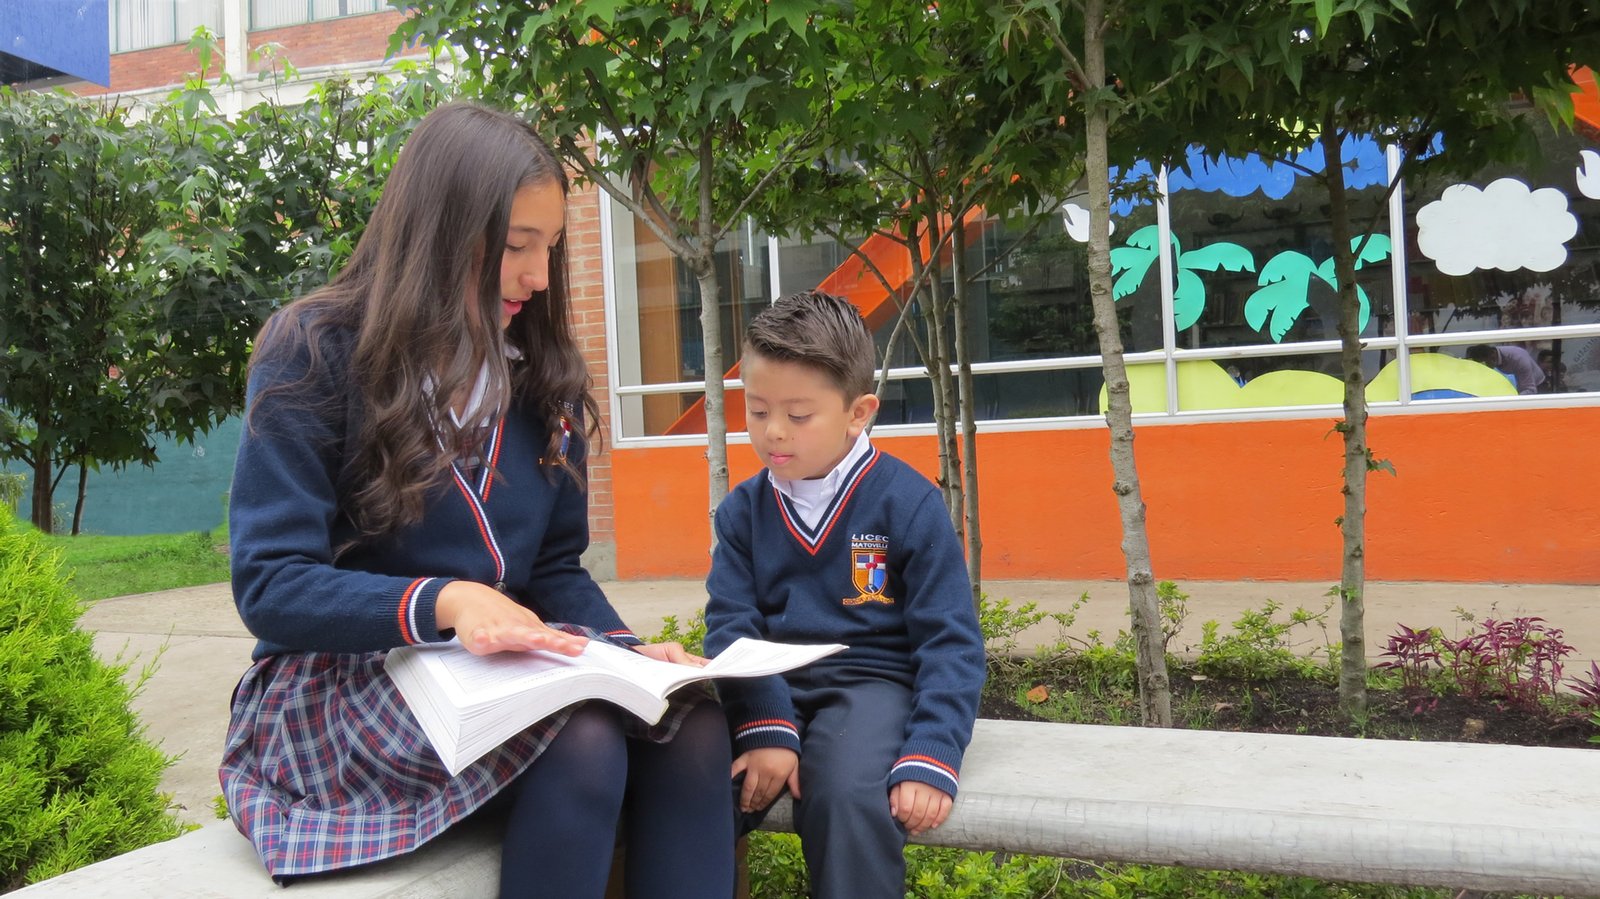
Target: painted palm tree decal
1130, 263
1285, 290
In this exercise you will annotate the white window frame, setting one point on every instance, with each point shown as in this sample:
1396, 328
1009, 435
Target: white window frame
1170, 354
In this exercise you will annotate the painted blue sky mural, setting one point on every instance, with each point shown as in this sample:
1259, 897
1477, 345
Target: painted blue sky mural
1238, 177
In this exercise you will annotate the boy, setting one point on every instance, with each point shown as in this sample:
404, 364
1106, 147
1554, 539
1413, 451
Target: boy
836, 542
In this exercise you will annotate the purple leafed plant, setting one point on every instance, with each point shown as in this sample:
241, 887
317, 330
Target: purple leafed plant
1587, 686
1519, 659
1410, 652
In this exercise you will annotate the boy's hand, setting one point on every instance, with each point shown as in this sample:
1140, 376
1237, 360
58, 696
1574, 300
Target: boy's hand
919, 807
766, 772
670, 652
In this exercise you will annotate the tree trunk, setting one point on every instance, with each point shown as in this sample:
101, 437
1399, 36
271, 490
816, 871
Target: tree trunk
704, 266
1352, 526
43, 490
939, 385
968, 404
83, 486
705, 270
1155, 696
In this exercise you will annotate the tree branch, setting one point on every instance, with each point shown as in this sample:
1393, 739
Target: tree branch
800, 143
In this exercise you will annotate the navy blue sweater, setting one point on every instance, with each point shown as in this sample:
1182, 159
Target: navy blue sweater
287, 517
881, 572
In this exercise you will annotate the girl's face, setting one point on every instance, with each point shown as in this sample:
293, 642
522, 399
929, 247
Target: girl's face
538, 215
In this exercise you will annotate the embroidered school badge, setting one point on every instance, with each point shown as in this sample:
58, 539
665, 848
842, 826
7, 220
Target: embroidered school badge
869, 569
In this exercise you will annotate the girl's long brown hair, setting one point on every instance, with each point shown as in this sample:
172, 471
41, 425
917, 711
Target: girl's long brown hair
435, 240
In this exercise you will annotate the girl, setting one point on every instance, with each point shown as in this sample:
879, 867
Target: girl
412, 469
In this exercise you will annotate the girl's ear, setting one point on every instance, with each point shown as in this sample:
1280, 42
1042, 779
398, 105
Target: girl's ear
861, 413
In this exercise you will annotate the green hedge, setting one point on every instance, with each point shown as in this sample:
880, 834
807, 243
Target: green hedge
78, 780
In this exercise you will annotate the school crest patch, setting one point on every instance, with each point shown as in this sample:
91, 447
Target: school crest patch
869, 569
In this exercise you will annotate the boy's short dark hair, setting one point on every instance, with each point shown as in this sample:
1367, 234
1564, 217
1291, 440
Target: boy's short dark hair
820, 330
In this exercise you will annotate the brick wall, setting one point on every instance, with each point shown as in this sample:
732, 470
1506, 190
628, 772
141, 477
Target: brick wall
361, 38
589, 322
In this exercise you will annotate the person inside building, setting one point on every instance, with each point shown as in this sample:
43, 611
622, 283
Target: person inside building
412, 469
1512, 361
838, 542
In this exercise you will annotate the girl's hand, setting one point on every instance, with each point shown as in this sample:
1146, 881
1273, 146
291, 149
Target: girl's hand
487, 621
670, 652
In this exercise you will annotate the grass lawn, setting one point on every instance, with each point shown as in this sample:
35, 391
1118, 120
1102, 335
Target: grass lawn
102, 566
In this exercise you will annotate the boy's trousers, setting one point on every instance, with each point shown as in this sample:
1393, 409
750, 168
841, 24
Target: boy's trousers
852, 727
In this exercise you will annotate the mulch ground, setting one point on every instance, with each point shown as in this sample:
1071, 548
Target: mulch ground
1293, 706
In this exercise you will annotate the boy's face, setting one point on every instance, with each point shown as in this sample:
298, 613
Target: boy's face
800, 423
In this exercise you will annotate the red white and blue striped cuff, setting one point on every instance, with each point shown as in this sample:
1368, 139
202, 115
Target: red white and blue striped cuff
925, 769
414, 617
766, 732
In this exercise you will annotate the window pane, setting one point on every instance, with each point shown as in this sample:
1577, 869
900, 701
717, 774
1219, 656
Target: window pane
1001, 396
1569, 365
1254, 260
657, 319
1510, 247
804, 266
1304, 379
278, 13
1033, 300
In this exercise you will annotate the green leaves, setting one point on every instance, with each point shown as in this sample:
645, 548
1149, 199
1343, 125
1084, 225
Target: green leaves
78, 780
652, 84
159, 246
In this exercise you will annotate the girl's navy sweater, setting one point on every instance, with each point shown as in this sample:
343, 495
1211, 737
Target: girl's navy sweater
882, 572
298, 588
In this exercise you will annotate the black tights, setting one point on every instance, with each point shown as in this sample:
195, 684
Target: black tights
672, 798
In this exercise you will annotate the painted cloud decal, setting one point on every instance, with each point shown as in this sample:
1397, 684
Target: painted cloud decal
1504, 226
1589, 175
1077, 219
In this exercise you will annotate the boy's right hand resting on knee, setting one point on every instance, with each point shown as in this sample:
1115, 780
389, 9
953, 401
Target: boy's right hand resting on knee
766, 772
487, 621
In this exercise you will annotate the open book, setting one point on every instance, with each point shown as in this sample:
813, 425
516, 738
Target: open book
468, 704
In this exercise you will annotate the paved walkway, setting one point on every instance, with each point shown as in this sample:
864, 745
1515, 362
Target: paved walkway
201, 647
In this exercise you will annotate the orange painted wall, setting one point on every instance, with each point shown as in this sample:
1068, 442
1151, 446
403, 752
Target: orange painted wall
1503, 496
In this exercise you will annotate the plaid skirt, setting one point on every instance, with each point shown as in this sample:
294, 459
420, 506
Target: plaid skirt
326, 768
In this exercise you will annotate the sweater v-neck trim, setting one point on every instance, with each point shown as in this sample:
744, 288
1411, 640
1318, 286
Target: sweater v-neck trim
811, 538
477, 497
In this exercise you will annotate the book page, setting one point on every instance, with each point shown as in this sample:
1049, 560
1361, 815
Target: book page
756, 658
518, 670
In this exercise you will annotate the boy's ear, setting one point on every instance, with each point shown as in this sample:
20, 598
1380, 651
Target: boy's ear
862, 411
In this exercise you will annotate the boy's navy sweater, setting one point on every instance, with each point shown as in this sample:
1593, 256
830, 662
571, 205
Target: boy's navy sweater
524, 529
881, 572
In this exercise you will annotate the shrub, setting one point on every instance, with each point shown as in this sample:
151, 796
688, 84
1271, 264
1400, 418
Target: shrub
78, 780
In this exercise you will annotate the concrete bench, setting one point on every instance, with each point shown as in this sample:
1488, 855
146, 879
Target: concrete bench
1477, 816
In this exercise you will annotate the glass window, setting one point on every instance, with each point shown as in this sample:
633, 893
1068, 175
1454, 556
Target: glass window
1001, 396
1503, 368
1257, 382
278, 13
1032, 298
141, 24
1252, 285
1512, 247
658, 319
1252, 252
805, 265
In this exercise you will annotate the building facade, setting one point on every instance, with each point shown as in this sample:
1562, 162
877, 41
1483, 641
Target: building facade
1228, 309
1481, 336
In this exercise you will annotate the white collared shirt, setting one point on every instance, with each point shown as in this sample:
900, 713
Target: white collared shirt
812, 496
